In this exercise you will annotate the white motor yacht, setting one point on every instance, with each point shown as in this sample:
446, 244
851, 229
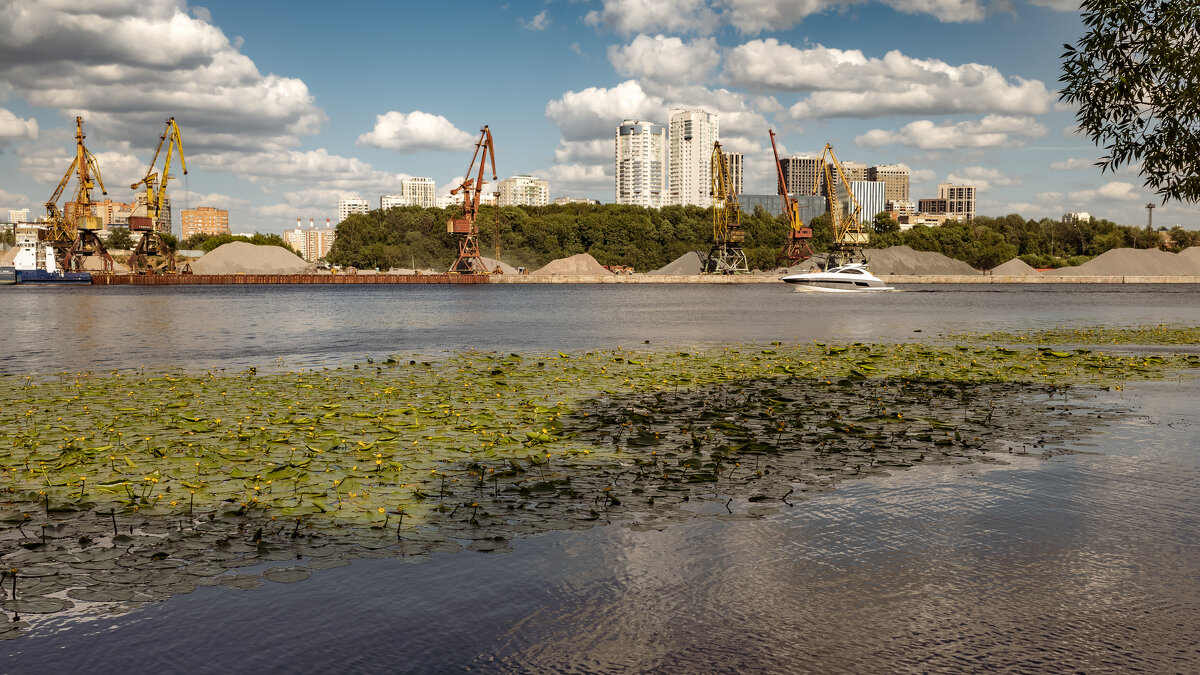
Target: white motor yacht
848, 278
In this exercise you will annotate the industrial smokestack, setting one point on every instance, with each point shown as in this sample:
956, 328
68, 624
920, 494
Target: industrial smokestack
327, 223
310, 223
297, 222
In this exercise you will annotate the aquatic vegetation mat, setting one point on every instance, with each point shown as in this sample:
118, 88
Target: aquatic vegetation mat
131, 487
1160, 335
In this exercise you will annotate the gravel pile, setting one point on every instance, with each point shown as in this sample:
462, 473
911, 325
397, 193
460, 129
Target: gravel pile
904, 260
94, 263
239, 257
688, 263
1014, 268
1135, 262
490, 264
579, 264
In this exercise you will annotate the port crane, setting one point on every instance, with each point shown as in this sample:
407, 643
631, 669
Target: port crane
727, 255
72, 234
849, 235
468, 260
152, 253
796, 248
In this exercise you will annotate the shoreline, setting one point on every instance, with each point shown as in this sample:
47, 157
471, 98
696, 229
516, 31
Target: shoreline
475, 279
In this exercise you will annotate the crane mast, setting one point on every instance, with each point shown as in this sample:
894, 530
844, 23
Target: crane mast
796, 248
468, 260
727, 255
152, 253
72, 233
849, 236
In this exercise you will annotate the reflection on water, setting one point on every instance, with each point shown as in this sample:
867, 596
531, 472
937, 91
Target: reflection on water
1083, 562
53, 329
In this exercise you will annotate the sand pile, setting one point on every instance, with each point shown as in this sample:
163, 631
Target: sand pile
904, 260
94, 263
7, 257
490, 264
239, 257
811, 265
579, 264
1134, 262
688, 263
1014, 268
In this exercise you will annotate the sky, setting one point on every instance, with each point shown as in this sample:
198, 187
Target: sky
286, 107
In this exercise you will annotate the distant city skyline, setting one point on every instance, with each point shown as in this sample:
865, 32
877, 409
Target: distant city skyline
284, 113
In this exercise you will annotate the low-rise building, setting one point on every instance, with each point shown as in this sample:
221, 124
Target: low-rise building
523, 190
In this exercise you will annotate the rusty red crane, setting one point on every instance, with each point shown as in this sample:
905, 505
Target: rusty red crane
796, 248
469, 261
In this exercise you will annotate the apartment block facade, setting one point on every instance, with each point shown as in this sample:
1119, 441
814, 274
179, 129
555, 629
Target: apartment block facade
641, 164
691, 137
202, 220
352, 205
523, 191
895, 177
733, 164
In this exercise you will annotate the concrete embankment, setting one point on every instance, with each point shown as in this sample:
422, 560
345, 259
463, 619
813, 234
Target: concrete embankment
890, 279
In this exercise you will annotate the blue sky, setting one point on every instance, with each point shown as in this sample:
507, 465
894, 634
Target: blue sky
284, 107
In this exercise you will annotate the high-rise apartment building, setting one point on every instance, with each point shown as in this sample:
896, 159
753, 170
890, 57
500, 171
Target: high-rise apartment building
203, 220
419, 191
641, 164
960, 200
352, 205
18, 216
312, 244
896, 178
523, 190
691, 136
733, 164
855, 171
869, 194
802, 175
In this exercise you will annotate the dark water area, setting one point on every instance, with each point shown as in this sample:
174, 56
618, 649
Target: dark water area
1085, 562
48, 329
1077, 563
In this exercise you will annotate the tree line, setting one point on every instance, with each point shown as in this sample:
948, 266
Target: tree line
647, 239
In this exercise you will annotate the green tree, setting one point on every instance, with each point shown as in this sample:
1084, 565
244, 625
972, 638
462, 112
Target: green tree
1135, 78
119, 238
885, 223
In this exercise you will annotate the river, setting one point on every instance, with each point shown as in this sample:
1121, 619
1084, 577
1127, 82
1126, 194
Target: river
1082, 562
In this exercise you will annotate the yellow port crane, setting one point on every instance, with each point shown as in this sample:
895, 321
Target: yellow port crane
152, 253
72, 234
849, 235
468, 260
727, 255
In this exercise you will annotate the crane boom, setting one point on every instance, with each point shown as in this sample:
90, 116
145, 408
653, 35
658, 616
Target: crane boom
795, 248
156, 186
72, 233
848, 233
727, 255
468, 260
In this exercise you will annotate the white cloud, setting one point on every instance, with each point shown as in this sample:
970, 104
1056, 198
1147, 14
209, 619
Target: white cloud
993, 131
1112, 191
668, 59
579, 178
414, 132
314, 169
848, 84
981, 177
595, 112
539, 22
639, 16
1058, 5
922, 175
751, 17
14, 200
13, 128
125, 65
1073, 163
590, 152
